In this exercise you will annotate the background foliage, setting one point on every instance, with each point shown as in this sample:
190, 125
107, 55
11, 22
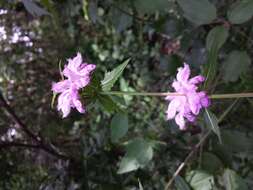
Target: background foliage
125, 142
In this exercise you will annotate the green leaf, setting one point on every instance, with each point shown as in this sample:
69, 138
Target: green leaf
124, 86
198, 12
211, 67
119, 127
200, 180
34, 9
111, 77
212, 123
243, 143
53, 100
108, 104
214, 41
138, 153
233, 181
151, 6
181, 184
237, 63
211, 163
240, 12
216, 38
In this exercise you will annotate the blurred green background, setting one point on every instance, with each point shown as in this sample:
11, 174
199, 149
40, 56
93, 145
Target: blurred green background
124, 142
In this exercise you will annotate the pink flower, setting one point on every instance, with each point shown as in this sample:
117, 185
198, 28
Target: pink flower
78, 76
68, 99
188, 106
78, 72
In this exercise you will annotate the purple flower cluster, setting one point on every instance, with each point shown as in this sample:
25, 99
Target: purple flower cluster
77, 76
189, 104
184, 106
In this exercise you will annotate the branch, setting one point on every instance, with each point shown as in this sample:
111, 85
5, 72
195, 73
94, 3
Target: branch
40, 143
17, 119
38, 146
16, 144
182, 165
130, 14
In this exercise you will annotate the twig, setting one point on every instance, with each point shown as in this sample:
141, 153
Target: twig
17, 119
211, 96
16, 144
29, 133
130, 14
182, 165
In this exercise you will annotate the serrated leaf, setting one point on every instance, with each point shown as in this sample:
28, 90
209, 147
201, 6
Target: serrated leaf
181, 184
232, 181
111, 77
138, 153
212, 123
240, 12
119, 126
198, 12
236, 63
200, 180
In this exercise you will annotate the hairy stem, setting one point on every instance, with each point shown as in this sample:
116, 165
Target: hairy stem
141, 93
212, 96
226, 96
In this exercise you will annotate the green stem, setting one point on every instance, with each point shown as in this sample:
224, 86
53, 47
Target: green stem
213, 96
226, 96
141, 93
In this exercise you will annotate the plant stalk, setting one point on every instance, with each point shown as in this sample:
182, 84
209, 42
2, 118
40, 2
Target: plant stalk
212, 96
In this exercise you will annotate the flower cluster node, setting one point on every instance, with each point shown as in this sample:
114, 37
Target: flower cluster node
188, 106
77, 76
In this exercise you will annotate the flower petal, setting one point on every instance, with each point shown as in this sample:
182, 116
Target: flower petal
204, 100
172, 108
180, 121
194, 103
87, 69
190, 117
177, 86
76, 103
196, 80
74, 63
60, 86
82, 82
64, 103
183, 73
